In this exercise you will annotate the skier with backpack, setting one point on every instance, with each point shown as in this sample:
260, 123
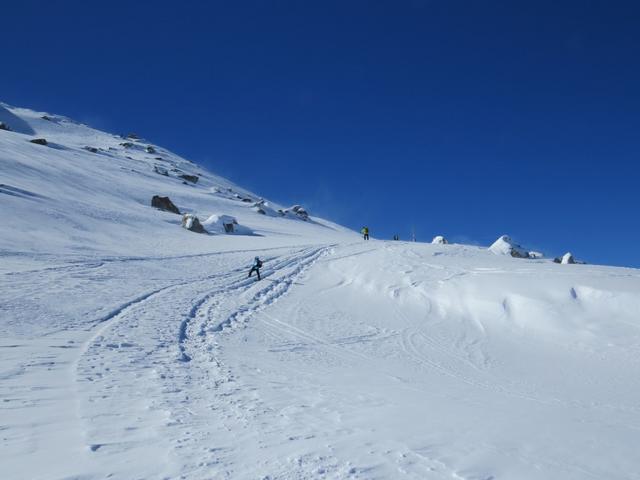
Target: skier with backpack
365, 233
257, 265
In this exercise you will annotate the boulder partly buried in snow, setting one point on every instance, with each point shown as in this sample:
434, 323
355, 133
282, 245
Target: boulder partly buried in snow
40, 141
4, 126
225, 224
439, 240
164, 203
190, 178
192, 223
566, 259
505, 246
295, 211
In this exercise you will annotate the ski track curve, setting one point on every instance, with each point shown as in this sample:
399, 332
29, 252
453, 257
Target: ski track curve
134, 342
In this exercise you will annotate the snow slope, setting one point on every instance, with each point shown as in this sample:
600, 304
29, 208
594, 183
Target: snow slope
131, 348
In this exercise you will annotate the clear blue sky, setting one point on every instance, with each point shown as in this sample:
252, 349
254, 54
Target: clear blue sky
464, 118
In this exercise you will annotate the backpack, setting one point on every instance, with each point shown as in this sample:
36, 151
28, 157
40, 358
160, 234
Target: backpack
259, 264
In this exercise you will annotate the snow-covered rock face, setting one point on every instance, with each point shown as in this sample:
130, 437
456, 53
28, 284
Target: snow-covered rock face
439, 240
506, 246
95, 182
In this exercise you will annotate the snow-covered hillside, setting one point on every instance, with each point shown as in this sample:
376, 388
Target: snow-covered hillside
131, 348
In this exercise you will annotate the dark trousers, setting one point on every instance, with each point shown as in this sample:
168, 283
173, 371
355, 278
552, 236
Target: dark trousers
255, 269
366, 236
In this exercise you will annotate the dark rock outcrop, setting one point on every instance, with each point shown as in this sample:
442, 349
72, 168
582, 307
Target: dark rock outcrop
164, 203
300, 212
4, 126
190, 178
150, 149
39, 141
192, 223
91, 149
160, 171
127, 144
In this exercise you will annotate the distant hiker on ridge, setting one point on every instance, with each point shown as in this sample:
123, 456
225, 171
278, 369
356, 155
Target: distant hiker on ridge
365, 233
257, 265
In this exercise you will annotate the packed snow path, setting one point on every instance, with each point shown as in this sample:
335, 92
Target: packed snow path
362, 360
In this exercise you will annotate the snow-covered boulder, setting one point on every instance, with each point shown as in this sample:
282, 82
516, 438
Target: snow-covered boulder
439, 240
225, 224
506, 246
566, 259
295, 211
164, 203
536, 255
264, 208
192, 223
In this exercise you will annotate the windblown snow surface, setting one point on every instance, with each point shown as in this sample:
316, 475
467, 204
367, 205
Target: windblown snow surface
131, 348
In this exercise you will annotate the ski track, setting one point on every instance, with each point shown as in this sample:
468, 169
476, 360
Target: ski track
121, 340
154, 379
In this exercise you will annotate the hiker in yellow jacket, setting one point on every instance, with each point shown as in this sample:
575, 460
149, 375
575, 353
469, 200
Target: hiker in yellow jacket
365, 233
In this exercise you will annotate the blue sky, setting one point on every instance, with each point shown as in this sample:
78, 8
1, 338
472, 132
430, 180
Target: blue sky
463, 118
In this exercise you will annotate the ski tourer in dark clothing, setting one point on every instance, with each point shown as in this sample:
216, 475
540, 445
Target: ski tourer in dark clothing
257, 265
365, 233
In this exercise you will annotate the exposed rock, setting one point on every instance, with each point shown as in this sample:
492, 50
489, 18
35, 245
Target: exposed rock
160, 170
127, 144
39, 141
47, 118
190, 178
536, 255
295, 211
150, 149
247, 200
505, 246
133, 136
260, 211
191, 223
300, 212
91, 149
164, 203
439, 240
4, 126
